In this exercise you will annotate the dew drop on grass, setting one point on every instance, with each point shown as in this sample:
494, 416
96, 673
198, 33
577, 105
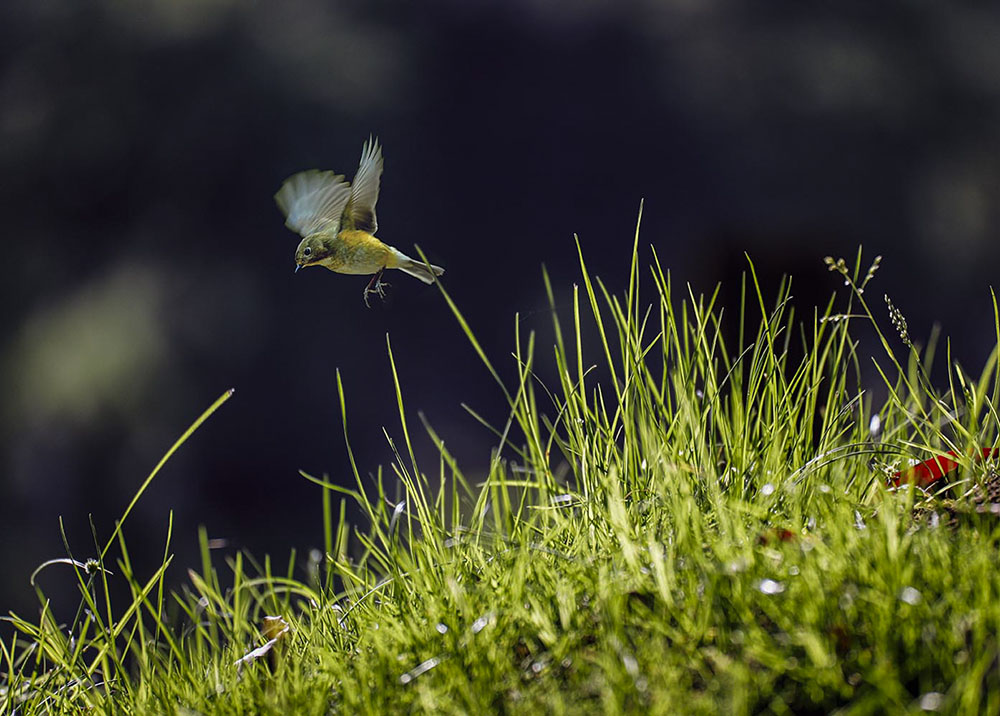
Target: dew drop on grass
769, 586
911, 596
421, 669
481, 622
767, 489
737, 566
931, 701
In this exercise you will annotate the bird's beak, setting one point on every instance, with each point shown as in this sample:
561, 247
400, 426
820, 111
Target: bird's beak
297, 267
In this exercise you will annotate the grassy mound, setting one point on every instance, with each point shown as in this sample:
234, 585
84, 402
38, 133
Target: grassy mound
675, 523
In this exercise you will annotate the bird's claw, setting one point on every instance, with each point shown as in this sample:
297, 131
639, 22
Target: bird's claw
376, 286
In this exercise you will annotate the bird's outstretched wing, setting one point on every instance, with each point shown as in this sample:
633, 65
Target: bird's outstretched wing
360, 211
313, 201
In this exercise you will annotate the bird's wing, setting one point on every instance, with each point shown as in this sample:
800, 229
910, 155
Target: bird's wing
360, 211
313, 201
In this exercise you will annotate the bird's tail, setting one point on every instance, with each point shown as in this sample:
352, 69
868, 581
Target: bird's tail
418, 269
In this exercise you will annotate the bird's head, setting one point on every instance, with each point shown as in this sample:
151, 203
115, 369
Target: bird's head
311, 251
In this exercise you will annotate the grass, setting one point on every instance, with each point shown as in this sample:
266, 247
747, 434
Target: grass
673, 522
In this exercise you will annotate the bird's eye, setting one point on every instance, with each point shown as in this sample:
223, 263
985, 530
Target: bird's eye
307, 251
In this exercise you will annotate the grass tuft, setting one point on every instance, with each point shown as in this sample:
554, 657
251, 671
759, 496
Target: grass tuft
676, 520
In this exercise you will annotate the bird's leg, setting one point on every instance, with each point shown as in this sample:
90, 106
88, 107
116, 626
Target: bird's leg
376, 286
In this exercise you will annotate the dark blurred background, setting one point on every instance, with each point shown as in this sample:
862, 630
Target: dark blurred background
148, 269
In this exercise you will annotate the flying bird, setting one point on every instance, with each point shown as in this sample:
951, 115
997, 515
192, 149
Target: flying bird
336, 220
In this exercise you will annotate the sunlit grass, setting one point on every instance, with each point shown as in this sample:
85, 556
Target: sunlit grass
675, 522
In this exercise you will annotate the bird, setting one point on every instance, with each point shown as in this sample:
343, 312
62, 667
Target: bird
337, 222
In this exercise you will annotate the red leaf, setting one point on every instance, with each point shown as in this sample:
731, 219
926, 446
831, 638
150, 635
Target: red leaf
930, 471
